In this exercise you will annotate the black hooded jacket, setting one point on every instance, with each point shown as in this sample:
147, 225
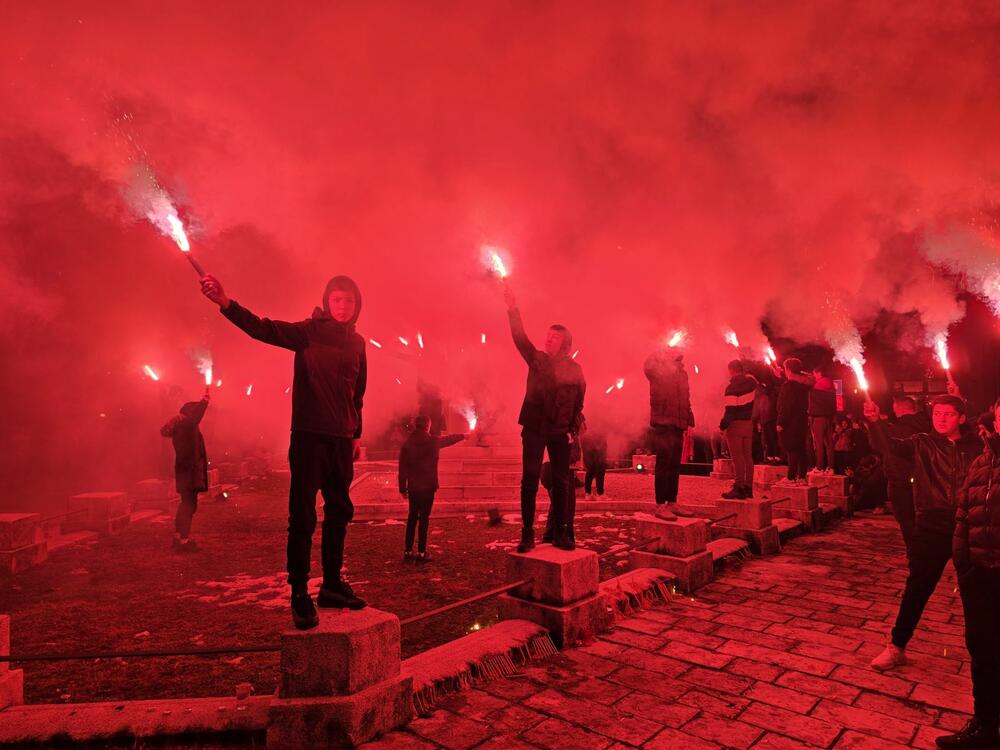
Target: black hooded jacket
940, 467
418, 461
898, 468
190, 458
553, 398
669, 391
331, 369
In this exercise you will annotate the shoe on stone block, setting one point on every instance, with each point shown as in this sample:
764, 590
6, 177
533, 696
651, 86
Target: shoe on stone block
304, 614
736, 493
746, 493
527, 541
892, 657
974, 734
339, 595
665, 512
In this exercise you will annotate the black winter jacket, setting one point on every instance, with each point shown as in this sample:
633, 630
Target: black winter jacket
418, 461
553, 398
940, 469
793, 406
190, 458
822, 400
740, 394
595, 449
898, 468
669, 391
977, 521
331, 369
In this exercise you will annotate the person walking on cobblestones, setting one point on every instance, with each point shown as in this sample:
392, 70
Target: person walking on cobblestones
941, 462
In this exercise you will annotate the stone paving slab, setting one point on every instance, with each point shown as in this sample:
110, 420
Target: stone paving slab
772, 655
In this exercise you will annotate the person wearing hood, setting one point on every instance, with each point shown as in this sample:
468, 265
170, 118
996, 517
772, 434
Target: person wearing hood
550, 419
737, 425
190, 467
941, 460
328, 388
976, 554
899, 469
793, 418
418, 481
670, 416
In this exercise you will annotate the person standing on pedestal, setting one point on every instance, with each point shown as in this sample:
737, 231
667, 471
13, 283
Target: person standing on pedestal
793, 418
941, 463
550, 418
737, 423
670, 415
822, 410
190, 467
976, 554
331, 373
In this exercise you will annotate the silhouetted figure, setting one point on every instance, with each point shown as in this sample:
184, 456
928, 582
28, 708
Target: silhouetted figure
190, 466
737, 423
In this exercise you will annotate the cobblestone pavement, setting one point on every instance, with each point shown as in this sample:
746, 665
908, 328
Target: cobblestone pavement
771, 655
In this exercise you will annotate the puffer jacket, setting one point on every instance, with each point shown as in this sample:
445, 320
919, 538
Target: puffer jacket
940, 470
977, 521
669, 392
553, 398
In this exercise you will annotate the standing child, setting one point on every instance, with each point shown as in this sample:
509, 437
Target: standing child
190, 467
418, 481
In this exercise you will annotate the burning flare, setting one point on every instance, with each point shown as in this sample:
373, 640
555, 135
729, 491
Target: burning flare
731, 339
677, 338
471, 417
495, 262
403, 341
150, 372
482, 338
374, 343
941, 345
420, 340
250, 389
859, 373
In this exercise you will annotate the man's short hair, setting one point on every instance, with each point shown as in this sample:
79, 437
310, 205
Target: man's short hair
736, 366
422, 422
558, 327
794, 364
957, 403
904, 400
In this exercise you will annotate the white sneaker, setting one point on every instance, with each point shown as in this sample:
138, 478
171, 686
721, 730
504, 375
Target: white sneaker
892, 657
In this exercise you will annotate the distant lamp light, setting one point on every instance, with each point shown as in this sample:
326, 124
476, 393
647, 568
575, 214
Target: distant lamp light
640, 468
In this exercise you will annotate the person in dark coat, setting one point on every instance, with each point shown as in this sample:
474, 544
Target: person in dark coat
190, 466
737, 424
418, 481
899, 469
822, 410
670, 415
941, 461
793, 418
330, 376
976, 554
595, 460
550, 418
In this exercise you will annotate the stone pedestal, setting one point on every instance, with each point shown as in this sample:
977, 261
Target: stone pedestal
795, 497
213, 478
812, 520
765, 475
829, 484
155, 494
562, 595
22, 542
752, 523
340, 683
106, 512
681, 538
722, 468
692, 572
11, 680
840, 501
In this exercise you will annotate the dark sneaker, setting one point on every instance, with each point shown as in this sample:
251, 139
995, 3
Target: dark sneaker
339, 596
527, 541
746, 493
736, 493
975, 734
304, 613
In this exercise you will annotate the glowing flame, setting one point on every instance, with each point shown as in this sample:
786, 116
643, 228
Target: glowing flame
769, 354
471, 417
208, 376
420, 340
482, 338
610, 388
942, 352
176, 232
398, 381
731, 338
250, 389
620, 383
150, 372
676, 339
403, 341
288, 389
374, 343
218, 383
575, 353
495, 262
205, 368
696, 370
859, 373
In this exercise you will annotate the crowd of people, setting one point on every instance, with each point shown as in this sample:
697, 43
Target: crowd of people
939, 475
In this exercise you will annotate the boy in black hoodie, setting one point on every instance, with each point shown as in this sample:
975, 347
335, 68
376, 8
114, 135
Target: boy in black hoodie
550, 418
328, 390
418, 481
190, 467
737, 424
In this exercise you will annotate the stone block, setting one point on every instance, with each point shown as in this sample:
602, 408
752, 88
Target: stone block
680, 538
99, 507
19, 530
797, 497
13, 561
767, 474
841, 501
558, 577
213, 477
749, 514
322, 723
348, 652
829, 484
763, 541
812, 520
11, 688
153, 489
692, 572
567, 624
722, 468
